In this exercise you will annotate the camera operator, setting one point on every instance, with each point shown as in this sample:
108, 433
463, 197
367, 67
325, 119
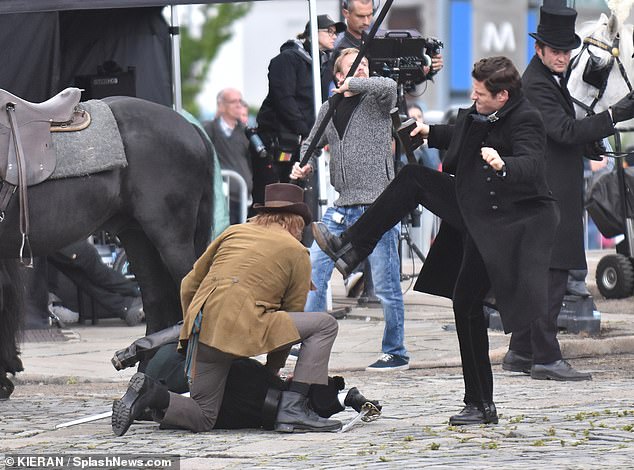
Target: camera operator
360, 140
227, 133
287, 113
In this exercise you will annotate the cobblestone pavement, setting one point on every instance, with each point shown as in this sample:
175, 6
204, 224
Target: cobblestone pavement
543, 424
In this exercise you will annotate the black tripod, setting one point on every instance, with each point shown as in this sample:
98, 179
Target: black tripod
405, 223
409, 220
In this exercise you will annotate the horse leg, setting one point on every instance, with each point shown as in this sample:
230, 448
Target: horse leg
10, 318
159, 291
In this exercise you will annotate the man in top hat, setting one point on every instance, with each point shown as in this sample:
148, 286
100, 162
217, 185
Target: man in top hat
536, 351
244, 297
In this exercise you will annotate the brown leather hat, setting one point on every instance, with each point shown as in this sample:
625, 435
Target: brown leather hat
284, 197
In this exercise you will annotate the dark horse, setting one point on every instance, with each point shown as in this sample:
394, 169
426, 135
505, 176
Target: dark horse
160, 207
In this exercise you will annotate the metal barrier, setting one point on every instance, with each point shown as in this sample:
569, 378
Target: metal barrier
245, 199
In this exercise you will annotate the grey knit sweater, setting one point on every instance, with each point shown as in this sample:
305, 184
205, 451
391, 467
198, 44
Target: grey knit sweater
361, 163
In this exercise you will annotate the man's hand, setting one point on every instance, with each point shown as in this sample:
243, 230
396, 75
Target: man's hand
623, 110
301, 173
436, 63
492, 157
343, 86
422, 129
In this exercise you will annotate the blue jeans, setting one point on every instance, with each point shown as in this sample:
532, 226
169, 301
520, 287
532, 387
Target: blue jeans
386, 275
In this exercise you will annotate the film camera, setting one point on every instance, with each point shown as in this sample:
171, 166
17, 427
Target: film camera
401, 56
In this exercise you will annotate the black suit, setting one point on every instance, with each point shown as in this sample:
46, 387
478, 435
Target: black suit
565, 142
495, 233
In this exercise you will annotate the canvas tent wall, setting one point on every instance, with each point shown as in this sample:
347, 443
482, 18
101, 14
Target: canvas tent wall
44, 51
46, 43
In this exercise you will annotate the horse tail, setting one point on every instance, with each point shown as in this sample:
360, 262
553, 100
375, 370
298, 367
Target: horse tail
11, 307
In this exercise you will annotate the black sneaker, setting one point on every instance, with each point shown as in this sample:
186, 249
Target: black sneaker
133, 312
387, 363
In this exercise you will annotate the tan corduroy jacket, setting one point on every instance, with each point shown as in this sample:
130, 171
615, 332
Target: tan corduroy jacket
245, 282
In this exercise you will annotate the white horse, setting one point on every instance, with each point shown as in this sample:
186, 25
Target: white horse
601, 67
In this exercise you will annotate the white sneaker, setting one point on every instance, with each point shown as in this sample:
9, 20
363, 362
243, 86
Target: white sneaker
64, 314
292, 356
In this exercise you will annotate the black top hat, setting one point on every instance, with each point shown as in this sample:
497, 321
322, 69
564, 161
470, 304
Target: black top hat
557, 28
284, 197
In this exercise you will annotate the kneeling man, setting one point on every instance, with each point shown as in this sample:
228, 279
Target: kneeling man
244, 298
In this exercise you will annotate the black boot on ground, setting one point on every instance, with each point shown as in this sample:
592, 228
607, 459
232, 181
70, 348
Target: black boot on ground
356, 400
143, 392
294, 414
345, 256
474, 414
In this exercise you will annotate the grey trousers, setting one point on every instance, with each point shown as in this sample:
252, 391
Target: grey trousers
199, 412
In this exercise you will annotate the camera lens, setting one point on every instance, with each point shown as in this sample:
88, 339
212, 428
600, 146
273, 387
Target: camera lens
256, 142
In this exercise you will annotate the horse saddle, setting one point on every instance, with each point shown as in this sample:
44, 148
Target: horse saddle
27, 156
25, 135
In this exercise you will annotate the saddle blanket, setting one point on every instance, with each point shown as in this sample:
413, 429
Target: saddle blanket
97, 148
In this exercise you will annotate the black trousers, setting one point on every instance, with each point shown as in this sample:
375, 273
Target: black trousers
540, 339
414, 185
81, 263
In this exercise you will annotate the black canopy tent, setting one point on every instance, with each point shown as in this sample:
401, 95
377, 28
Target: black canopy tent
43, 52
27, 6
47, 43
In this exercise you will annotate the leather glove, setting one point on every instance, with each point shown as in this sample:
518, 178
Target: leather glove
623, 109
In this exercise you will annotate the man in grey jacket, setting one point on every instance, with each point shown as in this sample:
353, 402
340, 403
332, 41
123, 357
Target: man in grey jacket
361, 166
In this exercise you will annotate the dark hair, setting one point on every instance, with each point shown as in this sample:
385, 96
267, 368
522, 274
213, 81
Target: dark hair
345, 4
497, 73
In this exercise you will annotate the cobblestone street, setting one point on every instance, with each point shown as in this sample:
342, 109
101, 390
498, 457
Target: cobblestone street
543, 424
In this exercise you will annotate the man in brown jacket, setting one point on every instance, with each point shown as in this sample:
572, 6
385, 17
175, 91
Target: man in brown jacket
243, 298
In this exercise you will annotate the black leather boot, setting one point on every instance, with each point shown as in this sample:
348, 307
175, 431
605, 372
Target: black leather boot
484, 413
143, 392
294, 414
345, 256
356, 400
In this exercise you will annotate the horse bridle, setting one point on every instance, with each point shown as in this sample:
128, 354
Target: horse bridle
598, 76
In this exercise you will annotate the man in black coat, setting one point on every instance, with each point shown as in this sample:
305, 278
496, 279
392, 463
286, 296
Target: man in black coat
536, 349
498, 221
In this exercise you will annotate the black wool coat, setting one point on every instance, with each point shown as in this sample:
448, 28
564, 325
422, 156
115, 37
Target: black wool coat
289, 106
566, 138
512, 220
